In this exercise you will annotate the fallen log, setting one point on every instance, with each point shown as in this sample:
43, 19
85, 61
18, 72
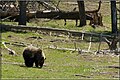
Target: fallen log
46, 29
47, 5
15, 44
82, 75
117, 67
3, 14
70, 49
60, 15
80, 51
11, 52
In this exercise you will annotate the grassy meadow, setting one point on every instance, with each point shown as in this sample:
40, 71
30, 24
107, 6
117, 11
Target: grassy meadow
60, 64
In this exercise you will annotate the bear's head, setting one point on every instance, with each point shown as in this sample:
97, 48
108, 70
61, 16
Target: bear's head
41, 57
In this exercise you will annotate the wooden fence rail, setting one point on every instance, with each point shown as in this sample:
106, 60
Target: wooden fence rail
50, 31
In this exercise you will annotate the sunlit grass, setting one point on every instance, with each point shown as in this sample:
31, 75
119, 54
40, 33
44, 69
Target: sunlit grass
59, 64
70, 25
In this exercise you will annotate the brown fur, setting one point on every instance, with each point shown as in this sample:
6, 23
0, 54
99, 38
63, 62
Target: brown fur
33, 55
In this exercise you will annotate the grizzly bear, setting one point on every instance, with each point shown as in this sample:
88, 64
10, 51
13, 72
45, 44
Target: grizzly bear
32, 54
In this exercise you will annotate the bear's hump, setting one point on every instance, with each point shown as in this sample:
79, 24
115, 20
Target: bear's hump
31, 48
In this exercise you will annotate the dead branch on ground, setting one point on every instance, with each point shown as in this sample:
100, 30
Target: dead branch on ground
112, 43
11, 52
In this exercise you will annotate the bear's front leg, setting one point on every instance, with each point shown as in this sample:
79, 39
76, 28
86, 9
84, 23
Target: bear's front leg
41, 62
41, 65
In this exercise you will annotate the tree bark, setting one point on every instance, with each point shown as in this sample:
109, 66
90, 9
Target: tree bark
114, 16
82, 13
22, 14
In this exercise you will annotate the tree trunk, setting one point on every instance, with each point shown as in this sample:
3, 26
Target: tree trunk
22, 14
82, 13
114, 16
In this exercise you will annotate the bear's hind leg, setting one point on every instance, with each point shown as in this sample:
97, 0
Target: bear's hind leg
28, 64
36, 63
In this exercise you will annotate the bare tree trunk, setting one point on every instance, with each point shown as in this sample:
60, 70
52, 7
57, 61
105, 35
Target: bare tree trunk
114, 16
82, 13
22, 14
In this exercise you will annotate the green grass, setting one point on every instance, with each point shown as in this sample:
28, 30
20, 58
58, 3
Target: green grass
59, 64
70, 25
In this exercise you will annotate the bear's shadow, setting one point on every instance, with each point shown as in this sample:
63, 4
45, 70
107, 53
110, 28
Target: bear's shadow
29, 67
